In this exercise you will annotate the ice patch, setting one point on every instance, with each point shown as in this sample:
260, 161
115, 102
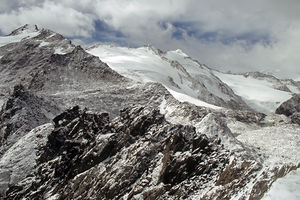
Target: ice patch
287, 187
60, 51
43, 43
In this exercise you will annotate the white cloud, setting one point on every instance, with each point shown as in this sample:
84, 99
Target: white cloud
65, 20
262, 34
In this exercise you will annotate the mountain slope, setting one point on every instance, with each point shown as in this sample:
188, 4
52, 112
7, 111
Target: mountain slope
51, 67
181, 75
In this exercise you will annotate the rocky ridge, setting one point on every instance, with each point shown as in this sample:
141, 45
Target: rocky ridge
22, 112
87, 150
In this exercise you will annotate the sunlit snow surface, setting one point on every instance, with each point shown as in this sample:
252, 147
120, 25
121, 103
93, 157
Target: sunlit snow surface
258, 94
20, 159
287, 187
185, 98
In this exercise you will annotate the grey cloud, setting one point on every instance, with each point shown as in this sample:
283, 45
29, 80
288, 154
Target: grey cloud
141, 21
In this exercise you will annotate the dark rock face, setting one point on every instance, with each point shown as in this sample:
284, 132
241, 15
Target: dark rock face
22, 112
290, 106
139, 153
295, 118
244, 116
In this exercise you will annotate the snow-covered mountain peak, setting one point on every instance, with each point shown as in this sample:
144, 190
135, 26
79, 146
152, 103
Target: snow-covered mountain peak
44, 37
180, 74
27, 28
24, 32
180, 52
186, 78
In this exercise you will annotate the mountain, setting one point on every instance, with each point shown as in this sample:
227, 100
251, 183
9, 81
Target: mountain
184, 78
137, 123
188, 80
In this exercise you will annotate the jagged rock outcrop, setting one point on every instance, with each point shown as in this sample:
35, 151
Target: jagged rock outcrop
22, 112
138, 154
291, 108
295, 118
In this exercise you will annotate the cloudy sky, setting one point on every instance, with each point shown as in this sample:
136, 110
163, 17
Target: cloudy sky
235, 35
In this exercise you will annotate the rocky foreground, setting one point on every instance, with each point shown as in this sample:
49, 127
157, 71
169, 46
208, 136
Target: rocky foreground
137, 155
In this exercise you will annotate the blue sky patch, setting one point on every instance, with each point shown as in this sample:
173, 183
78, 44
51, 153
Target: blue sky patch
193, 29
105, 33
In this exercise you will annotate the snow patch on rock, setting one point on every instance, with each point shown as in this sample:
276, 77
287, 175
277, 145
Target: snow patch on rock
61, 51
43, 43
185, 98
